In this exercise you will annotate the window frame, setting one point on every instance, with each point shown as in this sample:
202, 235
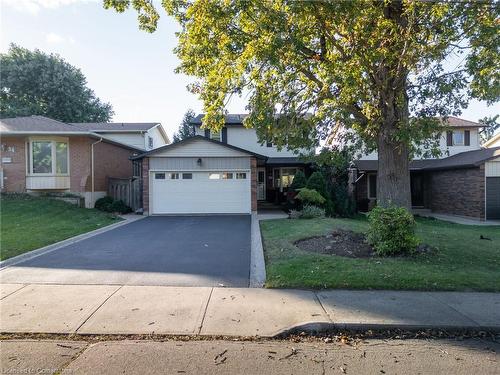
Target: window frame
184, 174
368, 185
214, 134
160, 176
53, 155
150, 142
176, 174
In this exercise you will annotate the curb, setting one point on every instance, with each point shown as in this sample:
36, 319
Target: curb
49, 248
257, 263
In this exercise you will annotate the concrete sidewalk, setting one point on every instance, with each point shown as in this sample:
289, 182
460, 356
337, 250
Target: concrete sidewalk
105, 309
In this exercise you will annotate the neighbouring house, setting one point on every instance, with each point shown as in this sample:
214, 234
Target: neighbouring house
144, 136
39, 154
216, 172
493, 141
465, 183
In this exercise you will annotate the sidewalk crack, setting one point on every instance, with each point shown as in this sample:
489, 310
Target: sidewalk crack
97, 308
205, 312
323, 307
452, 308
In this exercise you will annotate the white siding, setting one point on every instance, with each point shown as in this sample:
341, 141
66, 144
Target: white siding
158, 139
47, 182
191, 164
492, 168
445, 150
246, 139
200, 148
131, 139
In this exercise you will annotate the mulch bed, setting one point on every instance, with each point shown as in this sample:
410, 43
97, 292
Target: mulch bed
340, 242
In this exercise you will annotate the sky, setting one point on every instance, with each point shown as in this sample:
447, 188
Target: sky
130, 68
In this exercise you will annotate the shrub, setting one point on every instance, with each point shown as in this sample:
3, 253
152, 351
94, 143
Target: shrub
311, 212
294, 214
120, 206
299, 181
392, 231
317, 182
311, 197
104, 204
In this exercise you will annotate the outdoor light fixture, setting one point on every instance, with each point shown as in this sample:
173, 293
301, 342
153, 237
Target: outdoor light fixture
198, 162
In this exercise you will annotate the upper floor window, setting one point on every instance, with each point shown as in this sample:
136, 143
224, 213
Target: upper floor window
269, 144
150, 142
48, 157
216, 136
458, 138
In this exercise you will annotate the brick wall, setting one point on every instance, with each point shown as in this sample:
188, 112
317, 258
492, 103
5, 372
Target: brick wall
110, 161
145, 185
14, 172
79, 164
458, 192
253, 173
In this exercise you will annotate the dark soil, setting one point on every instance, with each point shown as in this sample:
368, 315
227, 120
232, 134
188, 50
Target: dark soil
340, 242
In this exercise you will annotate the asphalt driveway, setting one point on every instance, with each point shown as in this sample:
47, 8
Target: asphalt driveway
163, 250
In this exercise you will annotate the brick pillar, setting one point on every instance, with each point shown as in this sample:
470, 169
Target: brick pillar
253, 173
145, 185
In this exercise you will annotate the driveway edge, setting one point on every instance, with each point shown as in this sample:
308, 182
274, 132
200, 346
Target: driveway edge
68, 241
257, 263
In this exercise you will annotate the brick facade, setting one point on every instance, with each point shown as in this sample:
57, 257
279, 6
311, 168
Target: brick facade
109, 161
15, 171
253, 188
145, 185
458, 192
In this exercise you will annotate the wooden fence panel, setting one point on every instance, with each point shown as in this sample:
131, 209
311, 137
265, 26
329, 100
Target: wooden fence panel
129, 190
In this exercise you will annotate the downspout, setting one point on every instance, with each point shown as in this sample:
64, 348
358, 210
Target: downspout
92, 166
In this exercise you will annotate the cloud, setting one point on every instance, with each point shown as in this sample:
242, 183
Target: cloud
53, 38
34, 6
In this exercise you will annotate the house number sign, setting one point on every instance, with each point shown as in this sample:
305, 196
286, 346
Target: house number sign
6, 148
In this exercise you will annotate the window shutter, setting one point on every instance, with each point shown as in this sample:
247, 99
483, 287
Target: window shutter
467, 137
224, 135
449, 138
207, 133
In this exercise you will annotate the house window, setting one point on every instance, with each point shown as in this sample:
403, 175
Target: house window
150, 142
287, 175
227, 176
49, 157
269, 144
174, 176
372, 186
187, 176
458, 138
214, 176
159, 176
241, 176
216, 136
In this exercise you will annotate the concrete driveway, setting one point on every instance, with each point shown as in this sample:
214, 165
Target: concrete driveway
173, 251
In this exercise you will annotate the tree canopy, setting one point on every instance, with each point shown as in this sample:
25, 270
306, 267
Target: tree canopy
387, 69
36, 83
186, 129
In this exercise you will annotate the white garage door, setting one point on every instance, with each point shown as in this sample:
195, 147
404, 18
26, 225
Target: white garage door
200, 192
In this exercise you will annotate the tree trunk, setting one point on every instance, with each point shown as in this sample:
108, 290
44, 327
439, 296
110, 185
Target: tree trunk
393, 177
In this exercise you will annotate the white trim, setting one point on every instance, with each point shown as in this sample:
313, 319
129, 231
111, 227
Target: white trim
261, 169
200, 170
368, 185
53, 141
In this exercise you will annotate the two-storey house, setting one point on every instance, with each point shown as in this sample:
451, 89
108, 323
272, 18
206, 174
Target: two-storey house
217, 172
463, 181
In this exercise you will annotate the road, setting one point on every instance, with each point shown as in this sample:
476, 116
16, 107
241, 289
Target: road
370, 356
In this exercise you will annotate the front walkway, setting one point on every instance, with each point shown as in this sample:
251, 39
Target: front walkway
115, 309
454, 218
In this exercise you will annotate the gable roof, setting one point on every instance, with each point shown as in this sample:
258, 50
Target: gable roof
37, 124
492, 140
193, 138
467, 159
456, 122
229, 119
116, 126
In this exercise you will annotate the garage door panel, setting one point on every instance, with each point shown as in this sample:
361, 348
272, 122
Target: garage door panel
492, 198
200, 195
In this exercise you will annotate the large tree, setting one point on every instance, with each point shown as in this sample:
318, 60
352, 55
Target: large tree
387, 69
36, 83
186, 128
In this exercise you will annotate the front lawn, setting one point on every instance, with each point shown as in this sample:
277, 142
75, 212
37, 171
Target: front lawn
28, 223
463, 261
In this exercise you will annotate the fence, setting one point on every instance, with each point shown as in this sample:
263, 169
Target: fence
128, 190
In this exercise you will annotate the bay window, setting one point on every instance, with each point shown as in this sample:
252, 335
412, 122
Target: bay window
48, 157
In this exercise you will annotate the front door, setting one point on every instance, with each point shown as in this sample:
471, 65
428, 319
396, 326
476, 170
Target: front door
417, 190
261, 184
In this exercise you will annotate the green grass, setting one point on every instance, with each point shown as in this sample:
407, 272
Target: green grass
462, 262
28, 223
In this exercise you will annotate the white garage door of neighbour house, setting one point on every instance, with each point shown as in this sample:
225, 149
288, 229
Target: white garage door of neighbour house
200, 192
